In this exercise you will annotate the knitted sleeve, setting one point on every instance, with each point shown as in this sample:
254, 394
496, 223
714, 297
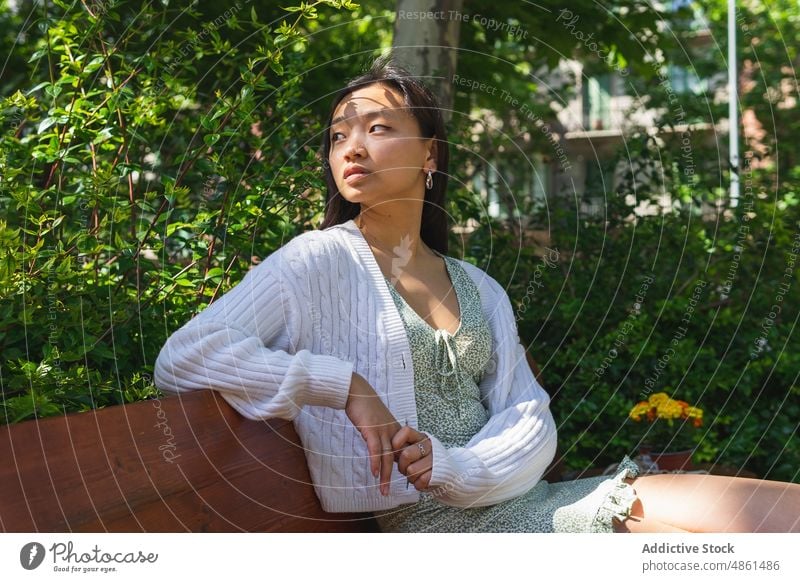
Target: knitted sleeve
509, 455
241, 346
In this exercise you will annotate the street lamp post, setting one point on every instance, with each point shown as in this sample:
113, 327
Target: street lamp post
733, 102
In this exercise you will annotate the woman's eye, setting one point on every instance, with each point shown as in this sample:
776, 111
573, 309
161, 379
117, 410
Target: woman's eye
334, 135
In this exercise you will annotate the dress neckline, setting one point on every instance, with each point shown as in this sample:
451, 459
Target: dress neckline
372, 265
447, 266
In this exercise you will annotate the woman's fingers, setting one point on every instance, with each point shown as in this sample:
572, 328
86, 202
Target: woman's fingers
381, 455
419, 474
401, 437
411, 464
387, 461
405, 436
415, 460
377, 426
411, 450
374, 451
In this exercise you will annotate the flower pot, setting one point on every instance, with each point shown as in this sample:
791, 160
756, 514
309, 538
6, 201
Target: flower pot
669, 461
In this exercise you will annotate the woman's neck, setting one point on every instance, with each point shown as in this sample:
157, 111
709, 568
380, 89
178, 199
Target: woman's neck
395, 236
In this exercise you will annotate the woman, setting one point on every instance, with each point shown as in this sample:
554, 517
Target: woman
402, 368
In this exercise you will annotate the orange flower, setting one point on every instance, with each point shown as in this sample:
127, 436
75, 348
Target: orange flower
660, 405
662, 412
638, 410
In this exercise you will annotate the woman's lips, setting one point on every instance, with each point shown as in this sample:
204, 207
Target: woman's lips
355, 177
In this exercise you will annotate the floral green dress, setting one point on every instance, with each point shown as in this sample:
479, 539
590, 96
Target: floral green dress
447, 371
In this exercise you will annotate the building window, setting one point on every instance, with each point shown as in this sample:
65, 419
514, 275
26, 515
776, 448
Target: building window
597, 93
486, 183
695, 19
684, 80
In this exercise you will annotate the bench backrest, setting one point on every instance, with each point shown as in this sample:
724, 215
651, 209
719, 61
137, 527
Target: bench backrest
184, 463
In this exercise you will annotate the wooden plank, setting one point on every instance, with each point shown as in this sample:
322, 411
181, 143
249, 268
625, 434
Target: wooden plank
185, 463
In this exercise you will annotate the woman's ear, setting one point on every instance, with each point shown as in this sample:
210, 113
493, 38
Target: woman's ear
433, 154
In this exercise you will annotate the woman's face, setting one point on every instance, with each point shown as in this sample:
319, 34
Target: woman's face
373, 132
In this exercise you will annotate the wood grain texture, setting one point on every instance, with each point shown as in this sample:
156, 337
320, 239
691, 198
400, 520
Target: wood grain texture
184, 463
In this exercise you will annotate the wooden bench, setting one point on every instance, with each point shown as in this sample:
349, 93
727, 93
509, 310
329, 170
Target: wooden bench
183, 463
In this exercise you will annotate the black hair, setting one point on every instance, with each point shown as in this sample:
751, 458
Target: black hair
423, 105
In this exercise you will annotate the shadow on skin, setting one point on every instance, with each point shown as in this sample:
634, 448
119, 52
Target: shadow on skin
711, 503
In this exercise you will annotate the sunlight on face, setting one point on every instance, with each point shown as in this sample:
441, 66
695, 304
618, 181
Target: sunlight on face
373, 132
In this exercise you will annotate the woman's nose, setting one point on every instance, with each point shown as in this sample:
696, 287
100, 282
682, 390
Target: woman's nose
354, 151
356, 148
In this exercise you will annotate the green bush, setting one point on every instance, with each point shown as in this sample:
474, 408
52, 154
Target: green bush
153, 153
618, 309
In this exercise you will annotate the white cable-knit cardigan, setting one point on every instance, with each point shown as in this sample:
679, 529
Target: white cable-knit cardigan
285, 341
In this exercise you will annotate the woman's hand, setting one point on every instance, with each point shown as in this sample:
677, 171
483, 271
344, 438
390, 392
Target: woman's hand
377, 426
414, 456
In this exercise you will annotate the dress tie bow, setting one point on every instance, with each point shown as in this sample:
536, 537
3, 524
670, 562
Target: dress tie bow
446, 356
446, 364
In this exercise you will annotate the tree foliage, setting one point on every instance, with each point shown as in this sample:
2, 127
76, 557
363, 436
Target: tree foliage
150, 154
672, 288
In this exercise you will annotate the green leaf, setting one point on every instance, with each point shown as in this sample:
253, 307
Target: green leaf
103, 135
37, 55
37, 87
53, 90
68, 80
171, 228
94, 64
45, 124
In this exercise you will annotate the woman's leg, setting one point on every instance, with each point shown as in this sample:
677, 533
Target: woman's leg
712, 503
